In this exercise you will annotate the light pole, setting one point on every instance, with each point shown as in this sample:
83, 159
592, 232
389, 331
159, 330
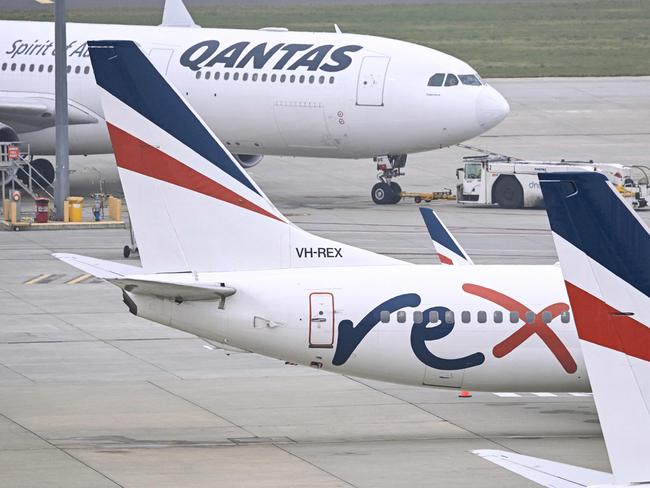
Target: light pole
62, 180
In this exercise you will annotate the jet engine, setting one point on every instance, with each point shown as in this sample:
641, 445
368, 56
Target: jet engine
248, 160
7, 133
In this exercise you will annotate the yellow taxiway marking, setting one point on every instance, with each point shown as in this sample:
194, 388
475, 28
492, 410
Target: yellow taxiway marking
78, 279
38, 279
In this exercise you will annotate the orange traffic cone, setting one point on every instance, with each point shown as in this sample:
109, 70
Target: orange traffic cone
465, 394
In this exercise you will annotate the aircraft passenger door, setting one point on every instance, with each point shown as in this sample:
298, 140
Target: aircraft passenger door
442, 378
370, 87
160, 59
321, 320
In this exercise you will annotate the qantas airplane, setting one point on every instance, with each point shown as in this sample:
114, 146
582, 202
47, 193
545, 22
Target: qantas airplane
603, 248
267, 91
238, 273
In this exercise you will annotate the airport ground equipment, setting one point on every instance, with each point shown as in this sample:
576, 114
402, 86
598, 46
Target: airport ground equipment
427, 197
512, 183
19, 171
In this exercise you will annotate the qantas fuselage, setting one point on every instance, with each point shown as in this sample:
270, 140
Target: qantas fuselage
263, 91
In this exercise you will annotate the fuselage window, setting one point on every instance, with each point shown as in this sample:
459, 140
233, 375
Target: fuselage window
451, 80
208, 75
264, 77
321, 79
436, 80
69, 69
235, 76
198, 75
514, 317
565, 317
529, 317
273, 78
302, 78
4, 66
465, 316
498, 316
433, 317
481, 317
331, 80
254, 77
77, 69
418, 316
401, 316
384, 316
31, 67
226, 75
13, 67
22, 67
469, 80
41, 68
449, 317
292, 78
244, 77
311, 79
547, 317
50, 68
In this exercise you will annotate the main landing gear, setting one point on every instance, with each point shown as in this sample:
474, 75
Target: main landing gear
387, 191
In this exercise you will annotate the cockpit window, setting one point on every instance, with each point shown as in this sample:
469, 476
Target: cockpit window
469, 80
437, 79
451, 80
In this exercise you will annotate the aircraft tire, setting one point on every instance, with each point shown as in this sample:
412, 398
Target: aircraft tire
382, 194
45, 168
397, 191
507, 193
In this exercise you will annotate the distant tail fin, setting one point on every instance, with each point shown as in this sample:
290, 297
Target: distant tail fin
192, 206
447, 247
604, 251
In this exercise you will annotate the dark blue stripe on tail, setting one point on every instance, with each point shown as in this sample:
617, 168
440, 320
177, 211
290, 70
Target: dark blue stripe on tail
583, 209
123, 70
438, 233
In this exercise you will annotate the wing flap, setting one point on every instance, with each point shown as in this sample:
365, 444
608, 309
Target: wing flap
544, 472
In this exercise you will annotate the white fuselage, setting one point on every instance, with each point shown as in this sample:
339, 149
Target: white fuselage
263, 92
315, 317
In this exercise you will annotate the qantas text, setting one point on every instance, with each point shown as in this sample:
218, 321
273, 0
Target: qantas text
207, 54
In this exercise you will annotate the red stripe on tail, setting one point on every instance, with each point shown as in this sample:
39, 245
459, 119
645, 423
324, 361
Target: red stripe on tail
600, 324
135, 155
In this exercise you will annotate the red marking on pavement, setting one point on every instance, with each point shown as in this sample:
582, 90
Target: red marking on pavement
538, 326
133, 154
601, 324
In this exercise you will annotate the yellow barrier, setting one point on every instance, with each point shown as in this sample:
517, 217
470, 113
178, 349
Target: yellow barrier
114, 209
76, 208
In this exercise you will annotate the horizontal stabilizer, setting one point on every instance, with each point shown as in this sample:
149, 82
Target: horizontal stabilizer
100, 268
177, 291
544, 472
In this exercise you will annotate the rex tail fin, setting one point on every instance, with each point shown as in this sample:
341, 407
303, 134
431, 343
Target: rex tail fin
603, 247
192, 206
448, 249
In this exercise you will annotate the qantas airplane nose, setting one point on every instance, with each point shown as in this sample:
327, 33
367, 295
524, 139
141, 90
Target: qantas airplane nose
491, 108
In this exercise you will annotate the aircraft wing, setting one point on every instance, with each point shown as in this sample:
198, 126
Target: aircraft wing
447, 247
544, 472
27, 112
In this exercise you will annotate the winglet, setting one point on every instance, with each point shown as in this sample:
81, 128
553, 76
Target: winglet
447, 247
175, 14
603, 248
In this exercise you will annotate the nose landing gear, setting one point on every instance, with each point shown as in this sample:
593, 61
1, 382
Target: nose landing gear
388, 192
